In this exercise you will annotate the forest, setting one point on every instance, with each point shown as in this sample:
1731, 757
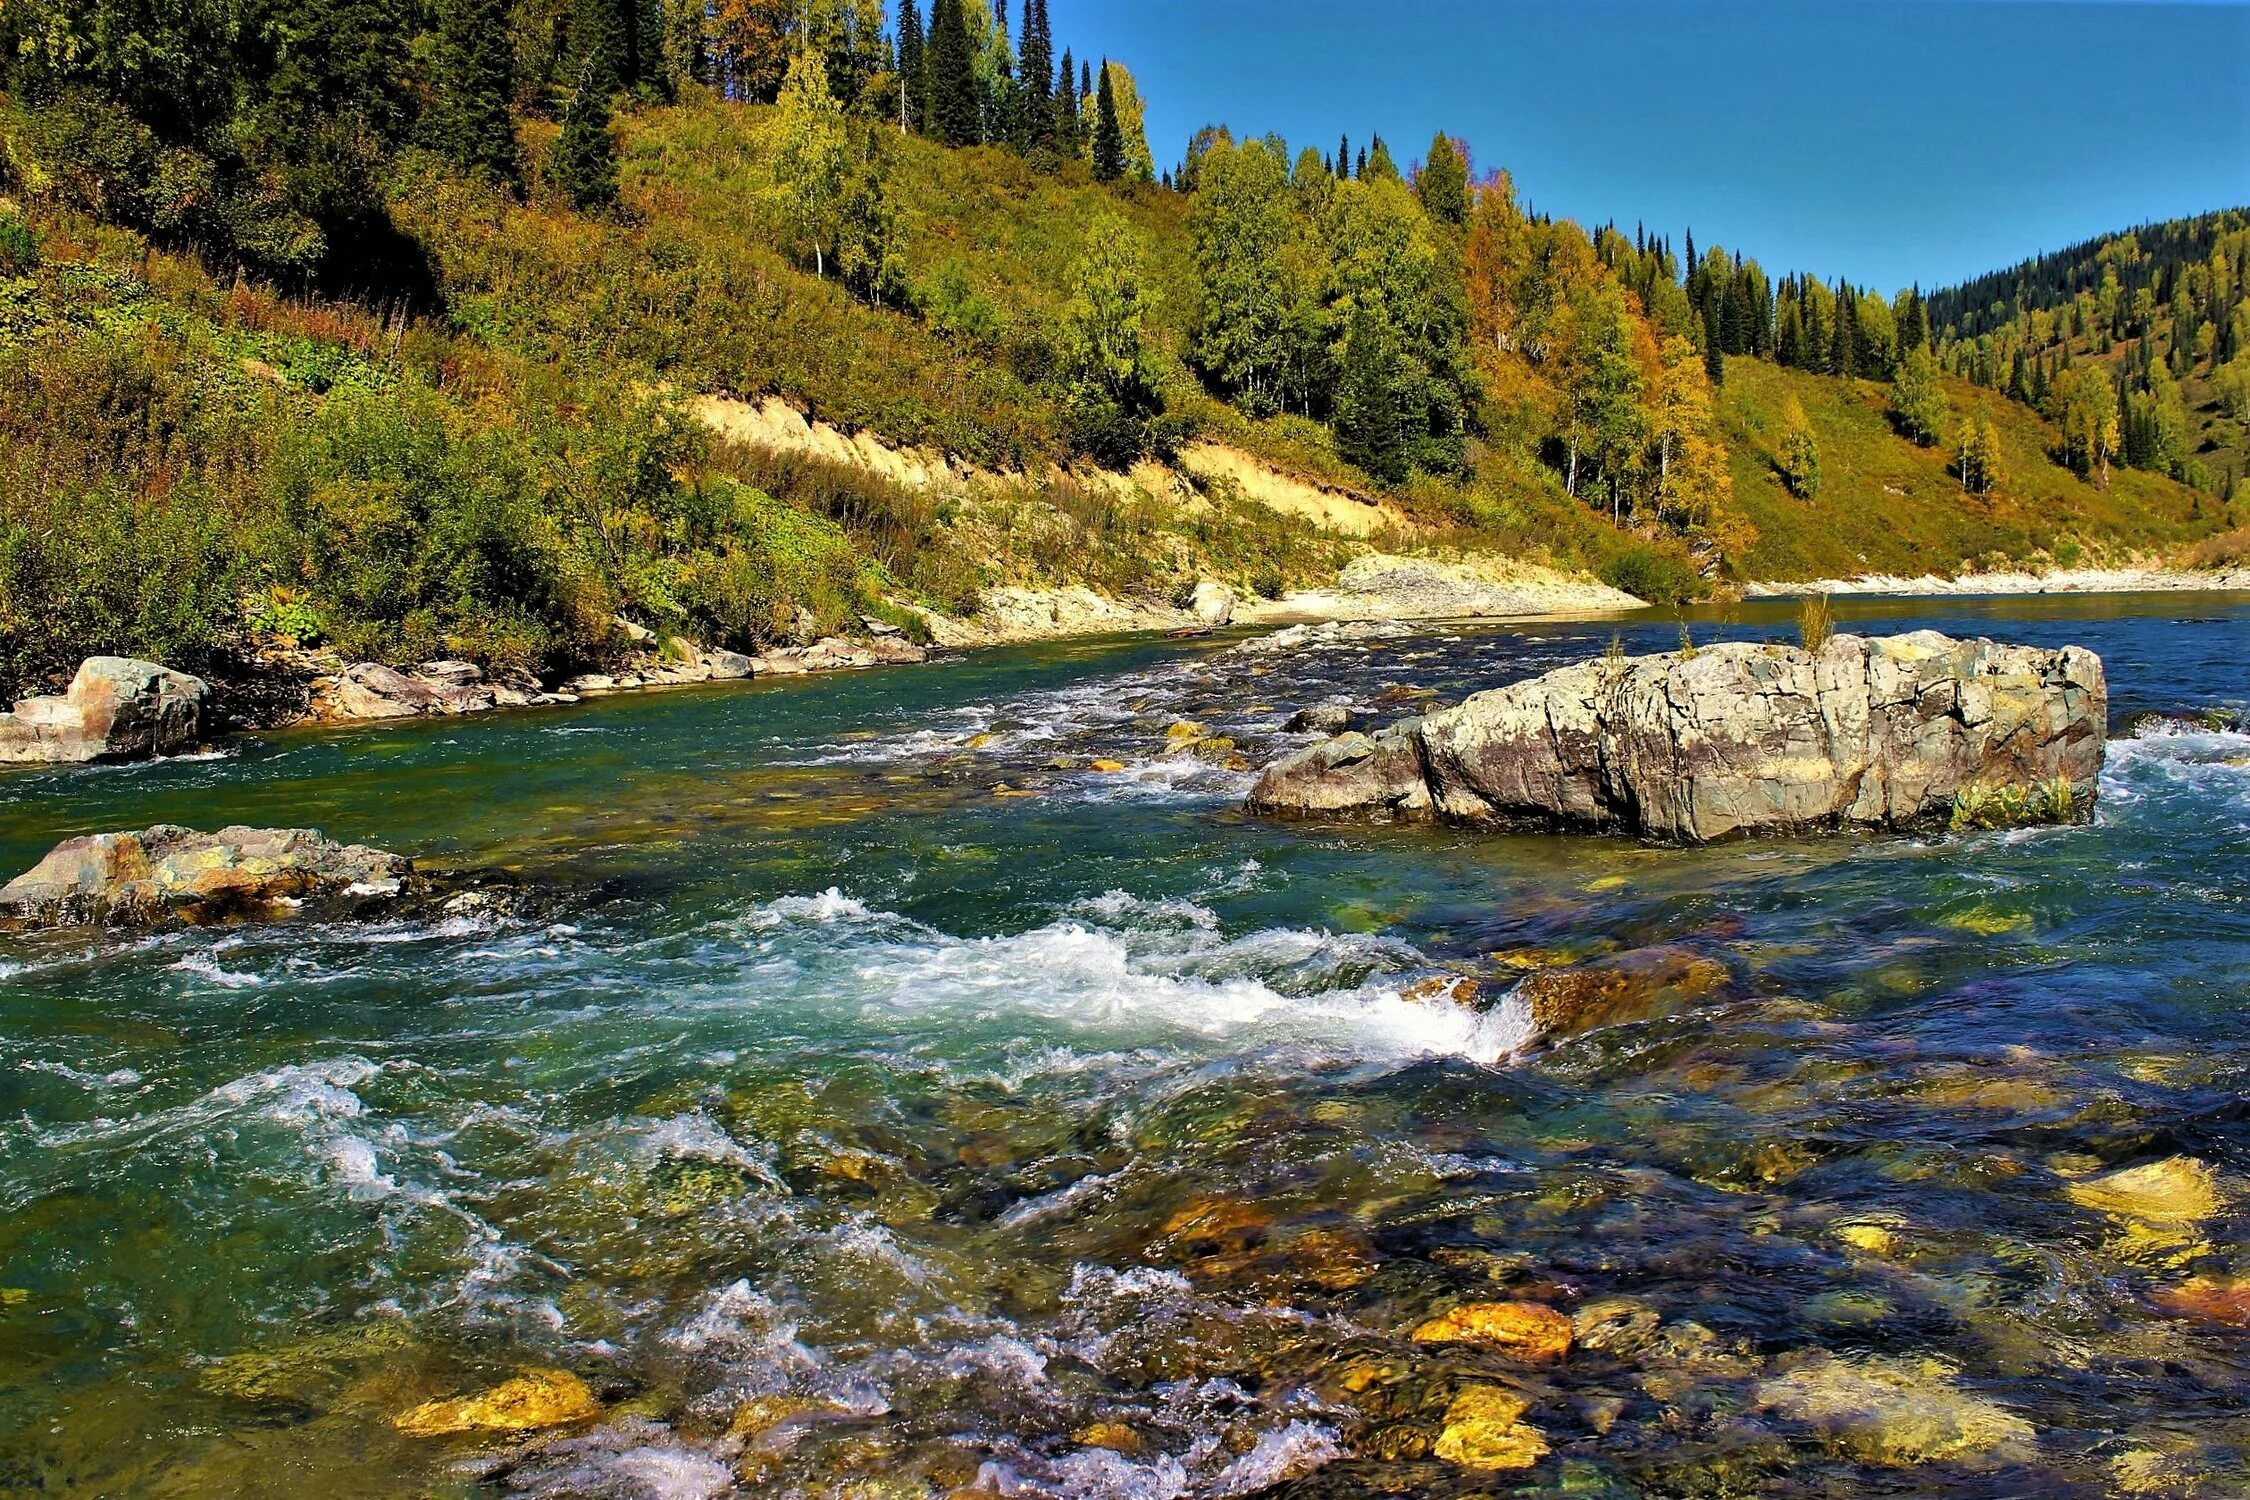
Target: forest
368, 322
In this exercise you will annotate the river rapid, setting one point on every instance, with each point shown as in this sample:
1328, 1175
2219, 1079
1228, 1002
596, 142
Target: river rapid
880, 1101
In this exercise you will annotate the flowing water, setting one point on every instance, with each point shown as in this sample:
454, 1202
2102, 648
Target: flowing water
880, 1102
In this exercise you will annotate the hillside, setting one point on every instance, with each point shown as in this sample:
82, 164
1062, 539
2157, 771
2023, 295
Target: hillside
472, 429
1886, 505
2163, 310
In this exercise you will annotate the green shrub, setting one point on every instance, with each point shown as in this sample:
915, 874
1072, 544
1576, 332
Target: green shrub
19, 247
1657, 574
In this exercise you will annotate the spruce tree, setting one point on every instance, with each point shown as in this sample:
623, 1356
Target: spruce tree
1109, 140
652, 73
603, 43
585, 161
913, 90
1714, 359
475, 76
1343, 166
1036, 71
956, 116
1085, 140
1379, 161
1066, 106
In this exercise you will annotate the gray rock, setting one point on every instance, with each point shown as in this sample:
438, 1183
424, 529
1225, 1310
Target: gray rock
169, 872
1213, 603
370, 690
1321, 718
1738, 738
116, 708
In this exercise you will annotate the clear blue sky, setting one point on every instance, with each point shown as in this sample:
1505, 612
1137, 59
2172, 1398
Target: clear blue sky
1884, 140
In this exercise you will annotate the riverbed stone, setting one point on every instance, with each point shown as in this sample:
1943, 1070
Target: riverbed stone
533, 1400
1730, 739
1528, 1330
1896, 1413
1484, 1430
116, 708
2178, 1192
170, 872
1637, 985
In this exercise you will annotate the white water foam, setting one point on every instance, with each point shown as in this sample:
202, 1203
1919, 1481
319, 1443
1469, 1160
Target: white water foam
1163, 970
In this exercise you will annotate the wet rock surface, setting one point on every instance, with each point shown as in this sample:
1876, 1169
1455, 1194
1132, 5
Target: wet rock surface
1899, 732
116, 708
173, 873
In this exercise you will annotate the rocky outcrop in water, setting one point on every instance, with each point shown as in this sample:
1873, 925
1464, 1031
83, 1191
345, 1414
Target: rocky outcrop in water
173, 873
116, 708
1905, 731
370, 690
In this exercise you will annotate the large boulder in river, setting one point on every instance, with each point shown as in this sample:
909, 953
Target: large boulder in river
170, 872
116, 708
1898, 732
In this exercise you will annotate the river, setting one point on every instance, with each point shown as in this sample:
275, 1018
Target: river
880, 1101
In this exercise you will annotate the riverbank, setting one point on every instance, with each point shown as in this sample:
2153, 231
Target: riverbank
2053, 581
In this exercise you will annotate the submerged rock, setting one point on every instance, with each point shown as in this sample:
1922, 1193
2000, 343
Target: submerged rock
2176, 1190
1321, 718
116, 708
1483, 1430
534, 1399
1896, 1412
1633, 986
180, 873
1737, 738
1528, 1330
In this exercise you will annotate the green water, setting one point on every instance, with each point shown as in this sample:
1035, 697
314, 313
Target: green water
831, 1070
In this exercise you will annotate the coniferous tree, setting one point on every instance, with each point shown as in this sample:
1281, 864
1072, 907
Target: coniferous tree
1359, 167
913, 80
652, 74
604, 44
1379, 161
1443, 182
1085, 141
1109, 140
585, 160
1036, 70
1843, 348
1343, 166
1714, 361
475, 78
956, 116
1066, 106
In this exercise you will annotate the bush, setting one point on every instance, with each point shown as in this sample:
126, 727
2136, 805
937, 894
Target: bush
19, 247
1657, 574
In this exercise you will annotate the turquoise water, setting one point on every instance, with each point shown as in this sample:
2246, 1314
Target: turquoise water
866, 1051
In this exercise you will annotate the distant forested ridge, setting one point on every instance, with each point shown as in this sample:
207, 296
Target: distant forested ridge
375, 323
2161, 312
